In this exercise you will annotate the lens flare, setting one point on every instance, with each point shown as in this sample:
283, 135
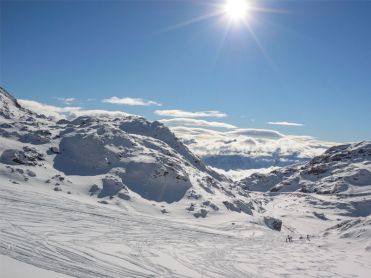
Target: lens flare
236, 10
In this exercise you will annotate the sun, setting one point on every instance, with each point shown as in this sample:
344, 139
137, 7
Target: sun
236, 10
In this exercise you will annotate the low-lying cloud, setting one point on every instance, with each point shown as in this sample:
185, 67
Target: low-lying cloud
249, 148
257, 133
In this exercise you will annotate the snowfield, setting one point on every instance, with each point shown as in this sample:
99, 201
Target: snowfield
119, 196
92, 240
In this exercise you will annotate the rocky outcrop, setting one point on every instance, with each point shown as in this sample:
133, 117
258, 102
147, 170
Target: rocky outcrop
273, 223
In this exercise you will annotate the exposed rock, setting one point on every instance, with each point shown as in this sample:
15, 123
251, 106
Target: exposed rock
239, 206
193, 195
93, 189
191, 207
54, 150
63, 122
27, 156
31, 173
211, 205
123, 195
320, 215
201, 213
273, 223
110, 187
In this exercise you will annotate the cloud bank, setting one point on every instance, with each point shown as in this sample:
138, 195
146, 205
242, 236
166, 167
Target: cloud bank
64, 112
131, 101
188, 114
196, 122
284, 124
249, 148
66, 100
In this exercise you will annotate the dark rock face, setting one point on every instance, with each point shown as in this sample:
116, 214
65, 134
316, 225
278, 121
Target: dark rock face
27, 156
94, 189
110, 187
239, 206
201, 213
273, 223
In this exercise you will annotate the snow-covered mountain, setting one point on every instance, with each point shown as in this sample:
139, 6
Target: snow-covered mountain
342, 169
336, 183
115, 159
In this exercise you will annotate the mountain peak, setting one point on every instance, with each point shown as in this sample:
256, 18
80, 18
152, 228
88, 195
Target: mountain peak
9, 106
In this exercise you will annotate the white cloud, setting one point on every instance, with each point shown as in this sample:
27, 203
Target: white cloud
131, 101
188, 114
64, 112
257, 133
67, 100
47, 110
284, 123
249, 148
195, 122
82, 112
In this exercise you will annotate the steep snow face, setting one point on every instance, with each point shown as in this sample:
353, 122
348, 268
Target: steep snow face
341, 169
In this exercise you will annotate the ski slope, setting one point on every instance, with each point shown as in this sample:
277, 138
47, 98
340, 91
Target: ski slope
82, 239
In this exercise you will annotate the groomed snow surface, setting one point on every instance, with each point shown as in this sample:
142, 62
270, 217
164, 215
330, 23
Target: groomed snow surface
78, 239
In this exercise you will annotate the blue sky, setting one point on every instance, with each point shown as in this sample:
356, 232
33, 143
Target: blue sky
315, 68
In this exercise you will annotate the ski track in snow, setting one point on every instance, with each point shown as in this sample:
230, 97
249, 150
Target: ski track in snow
84, 240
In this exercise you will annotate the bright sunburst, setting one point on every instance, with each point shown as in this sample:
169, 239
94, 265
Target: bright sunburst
236, 10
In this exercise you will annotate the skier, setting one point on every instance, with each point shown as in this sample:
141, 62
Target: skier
308, 237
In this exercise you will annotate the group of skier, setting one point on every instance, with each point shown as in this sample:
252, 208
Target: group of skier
289, 238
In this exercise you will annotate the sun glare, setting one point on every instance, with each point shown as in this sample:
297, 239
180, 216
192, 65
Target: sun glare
236, 10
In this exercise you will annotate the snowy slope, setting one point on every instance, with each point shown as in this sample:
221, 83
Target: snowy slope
329, 195
79, 239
